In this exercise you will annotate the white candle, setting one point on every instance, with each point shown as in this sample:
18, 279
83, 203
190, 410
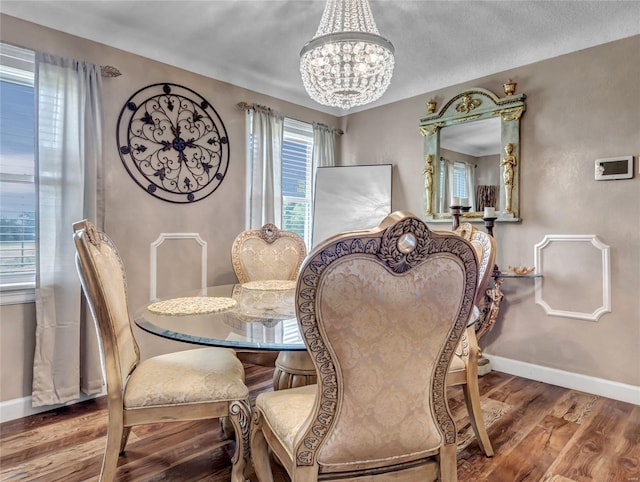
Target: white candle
464, 201
455, 201
489, 212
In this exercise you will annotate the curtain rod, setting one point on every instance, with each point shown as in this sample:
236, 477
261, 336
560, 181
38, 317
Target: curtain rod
109, 71
246, 105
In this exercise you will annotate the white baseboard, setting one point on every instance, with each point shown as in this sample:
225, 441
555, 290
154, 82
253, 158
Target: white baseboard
21, 407
561, 378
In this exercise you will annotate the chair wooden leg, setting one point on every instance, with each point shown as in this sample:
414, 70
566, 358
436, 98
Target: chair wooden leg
260, 451
125, 437
448, 463
115, 435
240, 417
472, 400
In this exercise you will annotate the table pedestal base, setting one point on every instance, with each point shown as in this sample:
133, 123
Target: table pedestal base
293, 369
262, 358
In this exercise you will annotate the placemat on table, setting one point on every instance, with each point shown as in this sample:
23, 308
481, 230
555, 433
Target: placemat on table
270, 285
193, 305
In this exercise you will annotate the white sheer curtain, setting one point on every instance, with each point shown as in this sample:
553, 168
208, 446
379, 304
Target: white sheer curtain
265, 129
324, 150
69, 183
446, 176
469, 179
456, 179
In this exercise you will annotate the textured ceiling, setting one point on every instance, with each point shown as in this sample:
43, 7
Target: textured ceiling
255, 43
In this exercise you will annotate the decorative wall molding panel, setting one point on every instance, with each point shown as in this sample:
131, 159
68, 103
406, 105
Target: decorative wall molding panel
153, 265
599, 249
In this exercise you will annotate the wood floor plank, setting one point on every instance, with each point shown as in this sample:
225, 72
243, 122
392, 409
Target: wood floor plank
62, 414
531, 458
626, 463
493, 381
591, 455
57, 465
575, 406
530, 402
18, 447
549, 434
556, 478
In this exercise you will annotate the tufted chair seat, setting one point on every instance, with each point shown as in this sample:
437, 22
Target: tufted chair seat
190, 376
286, 411
457, 365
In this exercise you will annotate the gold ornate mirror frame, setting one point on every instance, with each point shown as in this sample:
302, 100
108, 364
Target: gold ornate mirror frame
469, 106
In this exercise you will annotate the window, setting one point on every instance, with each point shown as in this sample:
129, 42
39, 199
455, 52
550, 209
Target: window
297, 148
17, 174
459, 181
455, 180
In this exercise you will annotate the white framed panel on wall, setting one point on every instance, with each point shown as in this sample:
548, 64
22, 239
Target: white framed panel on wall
184, 258
576, 280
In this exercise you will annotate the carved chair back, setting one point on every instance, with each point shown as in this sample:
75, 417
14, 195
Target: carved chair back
103, 279
268, 253
485, 247
381, 312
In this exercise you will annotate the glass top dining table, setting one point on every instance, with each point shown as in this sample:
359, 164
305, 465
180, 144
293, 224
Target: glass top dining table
252, 316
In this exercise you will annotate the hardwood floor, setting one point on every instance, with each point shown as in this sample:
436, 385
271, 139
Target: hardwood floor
539, 433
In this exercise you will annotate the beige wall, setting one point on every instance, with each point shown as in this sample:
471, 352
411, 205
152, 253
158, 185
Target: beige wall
580, 107
17, 344
134, 219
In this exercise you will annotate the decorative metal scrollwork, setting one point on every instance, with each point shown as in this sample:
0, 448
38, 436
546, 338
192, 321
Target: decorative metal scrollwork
173, 143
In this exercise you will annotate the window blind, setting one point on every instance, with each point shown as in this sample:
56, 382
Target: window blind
17, 168
296, 178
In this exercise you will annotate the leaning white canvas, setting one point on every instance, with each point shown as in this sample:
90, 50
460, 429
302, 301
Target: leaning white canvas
349, 198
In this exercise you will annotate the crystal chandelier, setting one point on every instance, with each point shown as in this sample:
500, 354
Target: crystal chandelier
347, 63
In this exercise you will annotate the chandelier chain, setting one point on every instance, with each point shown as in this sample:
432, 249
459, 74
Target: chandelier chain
347, 16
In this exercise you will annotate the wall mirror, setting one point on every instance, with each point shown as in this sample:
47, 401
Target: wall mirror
472, 155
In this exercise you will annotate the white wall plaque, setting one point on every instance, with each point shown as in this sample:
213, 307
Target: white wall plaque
601, 250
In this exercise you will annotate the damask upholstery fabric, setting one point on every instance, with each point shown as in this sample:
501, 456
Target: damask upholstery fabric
192, 376
378, 361
286, 411
194, 384
379, 388
381, 312
457, 364
112, 277
263, 261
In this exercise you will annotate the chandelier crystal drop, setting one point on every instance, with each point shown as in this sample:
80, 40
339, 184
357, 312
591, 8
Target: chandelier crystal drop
347, 63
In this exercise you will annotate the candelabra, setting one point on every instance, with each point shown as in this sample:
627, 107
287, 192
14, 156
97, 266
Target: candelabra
489, 222
455, 212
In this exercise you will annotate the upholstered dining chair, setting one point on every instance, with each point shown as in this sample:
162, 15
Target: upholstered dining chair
265, 254
464, 366
203, 383
381, 312
268, 253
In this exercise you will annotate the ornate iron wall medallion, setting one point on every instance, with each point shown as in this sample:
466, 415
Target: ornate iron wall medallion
173, 143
